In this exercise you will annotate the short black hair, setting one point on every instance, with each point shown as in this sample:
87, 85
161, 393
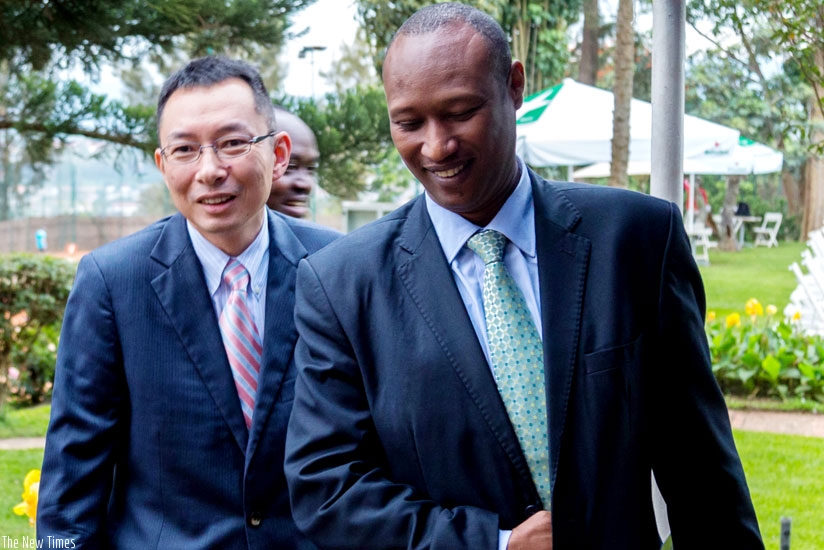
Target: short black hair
436, 16
211, 70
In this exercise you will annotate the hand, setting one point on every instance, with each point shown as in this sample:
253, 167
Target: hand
533, 534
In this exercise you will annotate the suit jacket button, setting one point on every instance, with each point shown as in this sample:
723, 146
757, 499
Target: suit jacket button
255, 519
533, 509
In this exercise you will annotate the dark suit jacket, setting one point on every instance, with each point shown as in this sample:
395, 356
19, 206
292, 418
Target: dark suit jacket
399, 438
147, 446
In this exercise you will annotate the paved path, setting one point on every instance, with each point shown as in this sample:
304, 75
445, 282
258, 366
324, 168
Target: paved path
794, 423
808, 424
19, 443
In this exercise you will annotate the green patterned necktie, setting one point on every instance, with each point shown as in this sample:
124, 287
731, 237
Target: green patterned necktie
517, 356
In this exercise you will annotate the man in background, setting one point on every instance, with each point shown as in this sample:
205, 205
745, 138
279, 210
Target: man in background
291, 193
175, 370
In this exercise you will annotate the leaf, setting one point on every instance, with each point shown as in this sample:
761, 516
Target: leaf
772, 367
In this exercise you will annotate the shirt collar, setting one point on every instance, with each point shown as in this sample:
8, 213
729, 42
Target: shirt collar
214, 260
515, 219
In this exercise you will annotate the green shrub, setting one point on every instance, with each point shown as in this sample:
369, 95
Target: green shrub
33, 294
764, 355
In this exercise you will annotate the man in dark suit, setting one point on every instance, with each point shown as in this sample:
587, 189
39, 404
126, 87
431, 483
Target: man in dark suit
158, 436
407, 429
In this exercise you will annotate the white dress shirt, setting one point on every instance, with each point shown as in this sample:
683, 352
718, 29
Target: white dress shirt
256, 261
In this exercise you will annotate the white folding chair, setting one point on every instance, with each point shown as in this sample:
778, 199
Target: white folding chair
701, 243
767, 233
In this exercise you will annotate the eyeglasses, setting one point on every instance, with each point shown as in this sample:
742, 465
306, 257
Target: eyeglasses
228, 147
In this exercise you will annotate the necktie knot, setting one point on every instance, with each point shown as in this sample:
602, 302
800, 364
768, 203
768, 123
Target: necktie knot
488, 244
235, 276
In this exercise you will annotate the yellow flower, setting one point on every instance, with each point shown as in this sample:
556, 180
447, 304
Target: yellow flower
754, 307
710, 316
796, 316
31, 488
771, 309
733, 320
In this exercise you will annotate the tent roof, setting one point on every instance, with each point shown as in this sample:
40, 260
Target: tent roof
571, 124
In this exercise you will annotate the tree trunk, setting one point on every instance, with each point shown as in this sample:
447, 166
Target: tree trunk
622, 91
792, 192
813, 216
726, 236
588, 65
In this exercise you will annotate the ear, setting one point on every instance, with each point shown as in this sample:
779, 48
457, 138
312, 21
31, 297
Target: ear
158, 156
282, 150
516, 83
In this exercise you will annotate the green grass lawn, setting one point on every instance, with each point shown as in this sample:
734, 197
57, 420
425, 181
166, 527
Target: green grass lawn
29, 422
784, 473
732, 278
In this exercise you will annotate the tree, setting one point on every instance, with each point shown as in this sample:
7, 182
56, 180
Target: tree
588, 64
537, 29
352, 129
622, 93
797, 25
736, 82
40, 38
353, 68
36, 32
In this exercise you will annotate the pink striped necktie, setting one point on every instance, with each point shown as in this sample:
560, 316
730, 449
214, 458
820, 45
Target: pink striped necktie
240, 337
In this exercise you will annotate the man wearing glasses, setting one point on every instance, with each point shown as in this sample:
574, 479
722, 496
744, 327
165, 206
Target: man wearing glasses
292, 191
175, 375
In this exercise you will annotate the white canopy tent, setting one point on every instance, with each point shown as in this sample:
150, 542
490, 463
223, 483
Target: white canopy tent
744, 158
571, 124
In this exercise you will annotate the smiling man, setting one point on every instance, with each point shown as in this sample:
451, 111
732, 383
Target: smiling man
175, 371
291, 192
502, 361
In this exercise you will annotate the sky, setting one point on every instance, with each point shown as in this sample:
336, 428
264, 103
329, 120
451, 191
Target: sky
330, 24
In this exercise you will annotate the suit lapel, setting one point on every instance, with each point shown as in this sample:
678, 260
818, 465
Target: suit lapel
285, 251
181, 289
422, 261
562, 263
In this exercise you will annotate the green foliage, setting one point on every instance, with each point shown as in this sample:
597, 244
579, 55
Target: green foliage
36, 32
740, 75
35, 366
784, 477
538, 29
352, 129
764, 355
33, 295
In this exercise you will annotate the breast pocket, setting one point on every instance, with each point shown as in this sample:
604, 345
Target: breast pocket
610, 359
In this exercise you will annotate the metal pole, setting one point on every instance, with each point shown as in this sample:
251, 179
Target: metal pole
669, 19
668, 49
785, 534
